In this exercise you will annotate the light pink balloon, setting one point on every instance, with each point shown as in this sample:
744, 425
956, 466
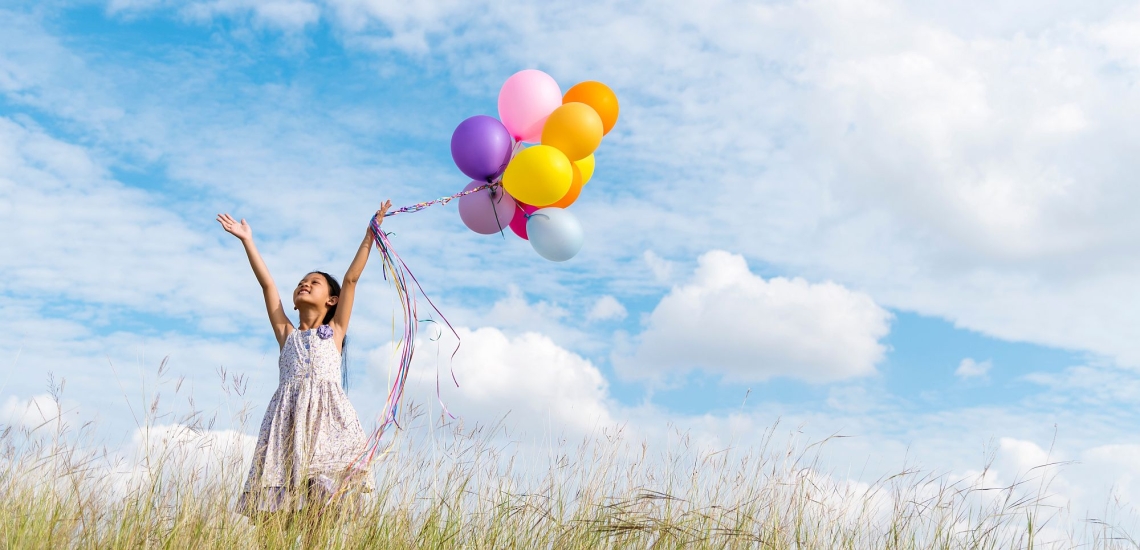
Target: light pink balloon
525, 100
486, 213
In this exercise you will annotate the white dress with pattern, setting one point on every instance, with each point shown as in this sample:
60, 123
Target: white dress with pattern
310, 434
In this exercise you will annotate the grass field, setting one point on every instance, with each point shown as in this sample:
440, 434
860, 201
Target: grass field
449, 486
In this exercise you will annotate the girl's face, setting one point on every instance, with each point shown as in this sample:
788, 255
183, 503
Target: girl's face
313, 291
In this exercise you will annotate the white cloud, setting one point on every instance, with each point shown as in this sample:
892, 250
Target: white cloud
542, 386
730, 321
872, 184
192, 447
969, 368
662, 269
607, 307
113, 373
915, 166
410, 23
73, 232
1116, 465
1091, 384
173, 457
1023, 456
284, 14
289, 15
515, 314
39, 412
852, 399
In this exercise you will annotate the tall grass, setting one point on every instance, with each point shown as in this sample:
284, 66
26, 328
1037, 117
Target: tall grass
447, 485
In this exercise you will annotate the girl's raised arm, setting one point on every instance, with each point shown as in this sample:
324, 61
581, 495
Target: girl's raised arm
348, 283
281, 324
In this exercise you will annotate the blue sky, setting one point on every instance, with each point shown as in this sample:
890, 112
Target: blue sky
908, 190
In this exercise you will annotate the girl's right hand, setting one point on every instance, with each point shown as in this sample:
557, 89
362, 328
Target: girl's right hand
239, 230
383, 211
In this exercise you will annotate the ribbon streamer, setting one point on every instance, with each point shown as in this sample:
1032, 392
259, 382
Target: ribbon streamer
397, 271
407, 286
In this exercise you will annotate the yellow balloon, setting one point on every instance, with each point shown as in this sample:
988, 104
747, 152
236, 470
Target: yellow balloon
538, 175
586, 166
575, 129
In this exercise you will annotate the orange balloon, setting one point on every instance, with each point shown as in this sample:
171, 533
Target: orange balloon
598, 96
575, 129
575, 189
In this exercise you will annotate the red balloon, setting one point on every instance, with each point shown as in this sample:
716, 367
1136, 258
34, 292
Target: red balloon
518, 222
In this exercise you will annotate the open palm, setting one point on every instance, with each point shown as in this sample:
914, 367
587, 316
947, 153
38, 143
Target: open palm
240, 230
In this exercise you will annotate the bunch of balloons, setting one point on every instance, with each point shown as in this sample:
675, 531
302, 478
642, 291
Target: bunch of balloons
531, 187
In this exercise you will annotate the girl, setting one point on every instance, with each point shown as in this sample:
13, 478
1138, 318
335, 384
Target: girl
310, 435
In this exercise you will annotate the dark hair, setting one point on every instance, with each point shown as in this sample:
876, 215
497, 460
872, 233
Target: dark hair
334, 290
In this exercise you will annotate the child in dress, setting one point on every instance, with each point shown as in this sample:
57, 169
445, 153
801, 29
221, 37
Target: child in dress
310, 435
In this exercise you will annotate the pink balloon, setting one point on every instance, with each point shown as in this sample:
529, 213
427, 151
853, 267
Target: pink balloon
486, 213
518, 223
525, 100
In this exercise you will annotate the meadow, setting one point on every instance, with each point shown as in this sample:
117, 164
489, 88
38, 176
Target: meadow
448, 485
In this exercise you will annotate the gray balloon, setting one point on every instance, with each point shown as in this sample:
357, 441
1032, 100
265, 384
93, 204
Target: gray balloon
554, 233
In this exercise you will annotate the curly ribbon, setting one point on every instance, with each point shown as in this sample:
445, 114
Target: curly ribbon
397, 271
407, 286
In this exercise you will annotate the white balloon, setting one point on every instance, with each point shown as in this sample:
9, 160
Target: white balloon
554, 233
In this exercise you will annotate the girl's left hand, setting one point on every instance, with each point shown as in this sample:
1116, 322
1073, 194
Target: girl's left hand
382, 211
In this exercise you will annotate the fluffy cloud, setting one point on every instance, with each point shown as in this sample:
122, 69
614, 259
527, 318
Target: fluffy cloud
916, 166
74, 232
607, 307
969, 368
1117, 466
527, 379
112, 373
192, 447
912, 166
730, 321
514, 313
1095, 385
662, 269
290, 15
38, 412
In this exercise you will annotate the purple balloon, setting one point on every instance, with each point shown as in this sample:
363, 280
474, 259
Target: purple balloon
486, 213
481, 147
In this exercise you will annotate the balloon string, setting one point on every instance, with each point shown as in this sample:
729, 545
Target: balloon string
442, 200
396, 271
495, 210
492, 185
407, 286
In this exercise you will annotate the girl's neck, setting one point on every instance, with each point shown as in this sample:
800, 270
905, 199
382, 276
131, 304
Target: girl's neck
310, 318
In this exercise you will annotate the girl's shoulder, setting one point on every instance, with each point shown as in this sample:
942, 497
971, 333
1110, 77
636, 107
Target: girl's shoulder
290, 330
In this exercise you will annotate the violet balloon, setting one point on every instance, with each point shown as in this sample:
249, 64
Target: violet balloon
486, 212
481, 147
